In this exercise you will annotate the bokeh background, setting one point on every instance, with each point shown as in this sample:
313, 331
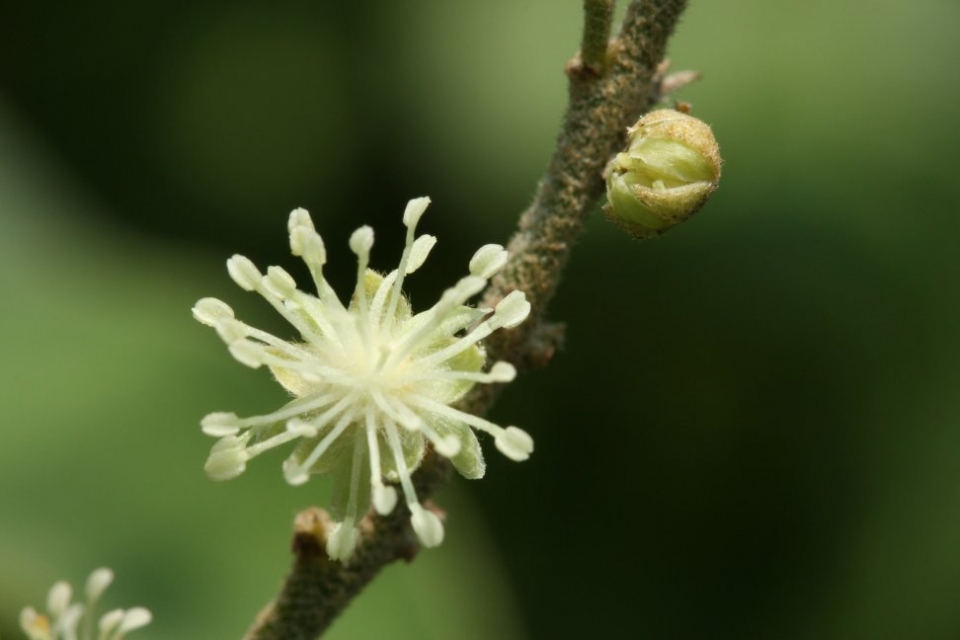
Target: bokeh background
753, 432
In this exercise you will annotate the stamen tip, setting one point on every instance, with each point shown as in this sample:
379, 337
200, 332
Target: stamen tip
512, 310
299, 217
301, 428
515, 443
279, 282
294, 474
110, 621
342, 541
209, 311
361, 241
415, 209
384, 499
243, 272
134, 619
503, 372
231, 330
59, 598
419, 251
97, 583
488, 260
247, 352
220, 424
228, 459
447, 446
427, 526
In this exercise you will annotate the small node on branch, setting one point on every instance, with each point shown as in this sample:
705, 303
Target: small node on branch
310, 530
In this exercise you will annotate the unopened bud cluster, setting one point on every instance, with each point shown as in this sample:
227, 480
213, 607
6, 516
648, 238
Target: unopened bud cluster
669, 170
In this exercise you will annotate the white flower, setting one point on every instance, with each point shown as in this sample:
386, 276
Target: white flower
66, 621
373, 383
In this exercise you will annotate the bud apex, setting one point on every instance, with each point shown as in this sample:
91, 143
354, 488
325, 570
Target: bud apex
669, 170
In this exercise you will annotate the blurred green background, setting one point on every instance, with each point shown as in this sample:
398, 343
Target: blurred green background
754, 430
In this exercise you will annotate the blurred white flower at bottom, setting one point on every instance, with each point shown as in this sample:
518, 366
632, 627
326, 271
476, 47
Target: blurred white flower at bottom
74, 621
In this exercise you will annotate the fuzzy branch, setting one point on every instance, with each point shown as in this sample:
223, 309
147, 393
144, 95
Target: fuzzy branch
611, 84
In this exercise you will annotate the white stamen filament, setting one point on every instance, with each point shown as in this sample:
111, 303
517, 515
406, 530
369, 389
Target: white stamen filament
395, 290
334, 433
449, 412
295, 408
394, 438
384, 498
449, 301
355, 464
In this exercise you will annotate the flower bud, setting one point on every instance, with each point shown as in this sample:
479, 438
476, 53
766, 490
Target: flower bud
669, 170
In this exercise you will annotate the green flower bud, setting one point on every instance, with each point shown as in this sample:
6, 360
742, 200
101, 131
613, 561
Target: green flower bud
669, 170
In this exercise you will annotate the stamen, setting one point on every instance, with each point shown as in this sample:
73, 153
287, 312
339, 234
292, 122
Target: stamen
453, 297
307, 243
415, 209
220, 424
411, 217
70, 620
447, 446
228, 458
426, 525
299, 217
289, 348
209, 311
231, 330
360, 243
342, 540
97, 583
36, 625
419, 251
488, 260
59, 599
289, 314
298, 407
247, 352
397, 411
302, 428
449, 412
295, 429
318, 312
355, 468
310, 369
380, 297
515, 443
384, 498
243, 272
134, 618
402, 471
279, 283
500, 372
298, 474
109, 622
511, 311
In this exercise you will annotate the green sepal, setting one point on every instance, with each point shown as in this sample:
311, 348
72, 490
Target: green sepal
341, 470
